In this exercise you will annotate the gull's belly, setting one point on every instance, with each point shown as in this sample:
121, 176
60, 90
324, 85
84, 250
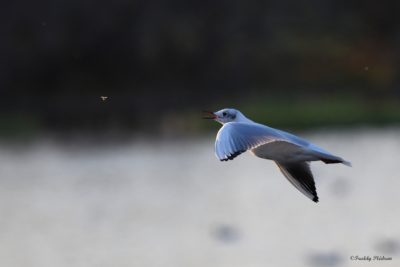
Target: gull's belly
283, 151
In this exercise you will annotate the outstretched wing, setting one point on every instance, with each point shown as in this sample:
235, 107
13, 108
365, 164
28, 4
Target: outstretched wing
299, 175
234, 138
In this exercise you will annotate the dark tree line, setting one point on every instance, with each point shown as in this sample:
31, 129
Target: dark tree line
58, 57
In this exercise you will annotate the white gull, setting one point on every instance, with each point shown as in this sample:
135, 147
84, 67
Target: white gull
291, 153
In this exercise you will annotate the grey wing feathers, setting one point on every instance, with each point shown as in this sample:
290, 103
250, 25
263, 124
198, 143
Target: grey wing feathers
322, 154
300, 176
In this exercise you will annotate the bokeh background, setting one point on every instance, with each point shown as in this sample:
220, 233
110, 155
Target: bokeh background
132, 180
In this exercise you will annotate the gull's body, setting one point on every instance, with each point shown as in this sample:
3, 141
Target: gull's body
292, 154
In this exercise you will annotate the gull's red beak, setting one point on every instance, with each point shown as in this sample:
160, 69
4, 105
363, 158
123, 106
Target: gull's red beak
209, 115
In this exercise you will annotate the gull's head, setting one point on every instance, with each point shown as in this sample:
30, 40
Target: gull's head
226, 115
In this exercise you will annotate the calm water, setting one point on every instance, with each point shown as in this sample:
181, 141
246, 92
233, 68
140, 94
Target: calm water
173, 204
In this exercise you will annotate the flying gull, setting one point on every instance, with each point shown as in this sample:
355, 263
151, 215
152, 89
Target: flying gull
291, 153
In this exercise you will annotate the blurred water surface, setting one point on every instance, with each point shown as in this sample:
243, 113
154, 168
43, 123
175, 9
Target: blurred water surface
172, 203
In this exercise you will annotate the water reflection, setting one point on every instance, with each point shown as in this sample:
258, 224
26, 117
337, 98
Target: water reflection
156, 203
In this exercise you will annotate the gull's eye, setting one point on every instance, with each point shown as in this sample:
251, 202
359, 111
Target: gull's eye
224, 114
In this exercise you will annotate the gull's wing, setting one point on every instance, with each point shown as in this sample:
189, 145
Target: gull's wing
299, 175
235, 138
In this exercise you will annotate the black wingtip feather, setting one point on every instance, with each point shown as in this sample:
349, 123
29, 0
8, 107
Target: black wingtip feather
299, 174
331, 161
234, 155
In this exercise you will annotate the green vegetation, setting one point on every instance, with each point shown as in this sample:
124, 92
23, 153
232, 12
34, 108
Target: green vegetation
276, 111
18, 125
324, 112
303, 113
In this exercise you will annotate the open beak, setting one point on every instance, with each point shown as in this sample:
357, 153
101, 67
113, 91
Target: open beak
209, 115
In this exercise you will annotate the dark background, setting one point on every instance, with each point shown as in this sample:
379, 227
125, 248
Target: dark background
289, 63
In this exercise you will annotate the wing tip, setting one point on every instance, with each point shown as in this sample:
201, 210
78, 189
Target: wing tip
232, 156
306, 188
336, 160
